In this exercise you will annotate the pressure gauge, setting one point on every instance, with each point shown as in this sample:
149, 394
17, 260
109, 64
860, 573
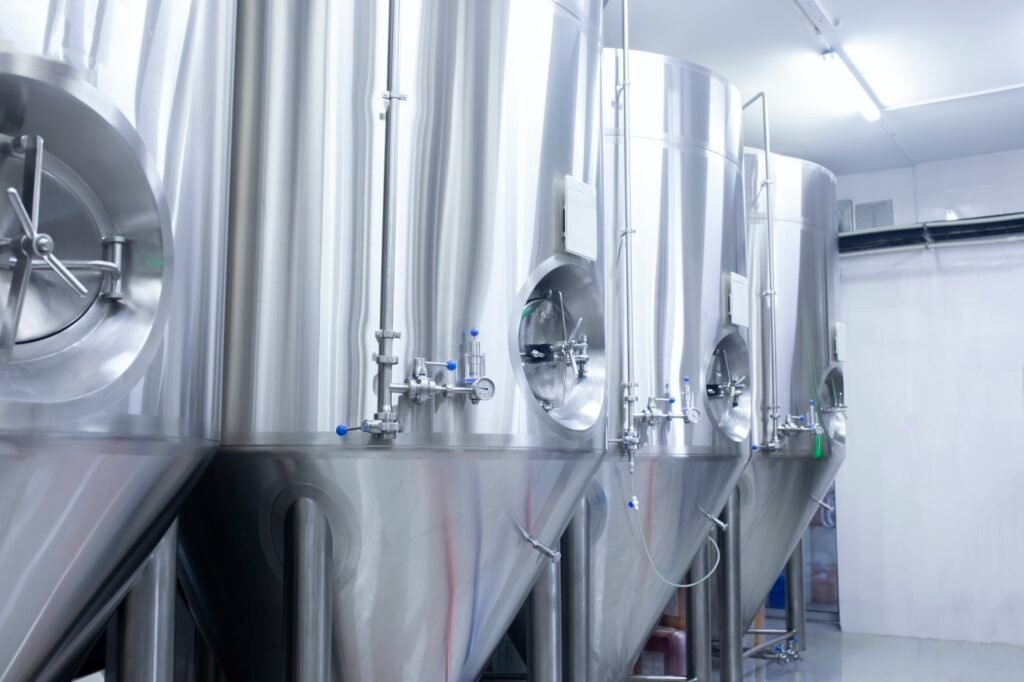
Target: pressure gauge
483, 389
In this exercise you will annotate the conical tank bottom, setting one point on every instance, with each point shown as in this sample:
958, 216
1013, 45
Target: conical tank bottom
78, 515
777, 503
431, 556
628, 597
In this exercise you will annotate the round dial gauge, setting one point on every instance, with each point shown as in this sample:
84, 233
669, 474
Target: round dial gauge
483, 389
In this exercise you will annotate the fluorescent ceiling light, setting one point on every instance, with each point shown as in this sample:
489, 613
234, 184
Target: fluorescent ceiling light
847, 86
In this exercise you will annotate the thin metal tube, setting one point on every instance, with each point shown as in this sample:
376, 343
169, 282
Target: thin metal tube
771, 294
385, 336
767, 644
796, 609
629, 396
307, 579
144, 649
698, 619
730, 607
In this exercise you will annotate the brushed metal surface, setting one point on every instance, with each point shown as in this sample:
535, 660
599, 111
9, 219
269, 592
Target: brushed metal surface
88, 485
429, 559
777, 488
502, 104
430, 531
690, 230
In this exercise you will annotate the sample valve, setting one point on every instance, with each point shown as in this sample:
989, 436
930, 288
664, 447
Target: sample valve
802, 423
655, 414
421, 387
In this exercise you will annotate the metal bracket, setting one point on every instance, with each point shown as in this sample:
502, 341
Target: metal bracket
722, 525
823, 504
554, 555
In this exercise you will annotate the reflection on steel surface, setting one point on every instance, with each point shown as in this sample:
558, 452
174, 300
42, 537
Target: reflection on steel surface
107, 412
502, 103
778, 489
690, 231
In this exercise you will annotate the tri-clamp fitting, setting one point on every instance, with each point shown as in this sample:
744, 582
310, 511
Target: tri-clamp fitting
800, 423
421, 387
654, 414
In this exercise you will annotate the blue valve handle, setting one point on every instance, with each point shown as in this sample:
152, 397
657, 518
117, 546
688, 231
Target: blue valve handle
671, 400
451, 365
474, 332
341, 430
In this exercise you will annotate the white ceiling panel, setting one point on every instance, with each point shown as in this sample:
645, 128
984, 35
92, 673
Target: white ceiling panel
908, 51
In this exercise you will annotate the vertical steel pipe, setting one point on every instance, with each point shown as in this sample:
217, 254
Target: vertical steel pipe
307, 578
730, 607
545, 638
576, 597
698, 619
773, 410
796, 608
629, 394
143, 646
386, 335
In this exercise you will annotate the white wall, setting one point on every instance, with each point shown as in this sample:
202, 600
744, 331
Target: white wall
968, 187
931, 524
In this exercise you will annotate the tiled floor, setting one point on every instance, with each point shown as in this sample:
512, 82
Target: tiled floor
835, 656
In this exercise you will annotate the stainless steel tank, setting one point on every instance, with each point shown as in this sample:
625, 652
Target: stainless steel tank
780, 486
433, 535
114, 129
691, 316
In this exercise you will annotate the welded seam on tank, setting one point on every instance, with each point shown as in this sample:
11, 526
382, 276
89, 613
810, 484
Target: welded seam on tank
678, 143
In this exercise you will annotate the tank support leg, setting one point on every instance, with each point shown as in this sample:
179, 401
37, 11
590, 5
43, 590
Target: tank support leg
576, 596
307, 580
796, 609
545, 643
698, 619
730, 611
142, 646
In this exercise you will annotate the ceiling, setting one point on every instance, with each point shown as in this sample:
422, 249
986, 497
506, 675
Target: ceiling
910, 52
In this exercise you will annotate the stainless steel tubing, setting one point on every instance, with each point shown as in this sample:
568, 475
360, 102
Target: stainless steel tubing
144, 646
767, 644
385, 335
575, 597
545, 637
796, 609
730, 604
629, 395
698, 619
308, 590
661, 678
770, 295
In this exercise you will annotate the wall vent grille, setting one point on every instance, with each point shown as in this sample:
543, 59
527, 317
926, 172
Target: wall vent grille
873, 214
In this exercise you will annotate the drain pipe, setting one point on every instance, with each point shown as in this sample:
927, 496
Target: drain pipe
630, 439
385, 419
772, 409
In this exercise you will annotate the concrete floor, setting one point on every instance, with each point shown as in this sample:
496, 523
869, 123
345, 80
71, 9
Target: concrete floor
835, 656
